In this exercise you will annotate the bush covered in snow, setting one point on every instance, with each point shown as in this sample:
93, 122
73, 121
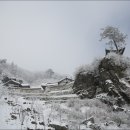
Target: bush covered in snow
92, 68
115, 59
119, 60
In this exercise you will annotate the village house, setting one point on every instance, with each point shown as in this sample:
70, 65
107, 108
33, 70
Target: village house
65, 81
62, 82
44, 85
13, 82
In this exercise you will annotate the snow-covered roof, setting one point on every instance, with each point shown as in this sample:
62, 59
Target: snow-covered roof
49, 84
44, 84
25, 84
65, 79
12, 82
15, 81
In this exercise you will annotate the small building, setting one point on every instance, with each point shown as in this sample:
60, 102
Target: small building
6, 79
56, 85
65, 81
14, 83
44, 85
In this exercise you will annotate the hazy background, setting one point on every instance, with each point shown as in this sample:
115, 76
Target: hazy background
38, 35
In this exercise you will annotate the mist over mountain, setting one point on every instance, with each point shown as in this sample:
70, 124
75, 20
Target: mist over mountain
12, 70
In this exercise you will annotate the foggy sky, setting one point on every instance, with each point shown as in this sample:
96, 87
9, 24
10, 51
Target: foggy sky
38, 35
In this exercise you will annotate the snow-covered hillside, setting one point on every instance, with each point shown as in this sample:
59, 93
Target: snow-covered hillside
59, 108
34, 78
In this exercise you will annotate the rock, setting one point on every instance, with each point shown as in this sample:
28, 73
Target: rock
106, 124
5, 98
10, 103
35, 111
104, 77
95, 127
13, 117
32, 117
33, 122
41, 123
58, 127
28, 109
88, 121
109, 71
109, 123
105, 98
116, 108
85, 85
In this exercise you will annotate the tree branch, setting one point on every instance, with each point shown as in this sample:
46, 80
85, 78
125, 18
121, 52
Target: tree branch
116, 46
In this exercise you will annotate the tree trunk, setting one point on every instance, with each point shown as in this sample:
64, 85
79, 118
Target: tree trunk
116, 46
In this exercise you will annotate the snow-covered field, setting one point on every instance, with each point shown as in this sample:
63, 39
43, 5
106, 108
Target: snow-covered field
22, 112
60, 108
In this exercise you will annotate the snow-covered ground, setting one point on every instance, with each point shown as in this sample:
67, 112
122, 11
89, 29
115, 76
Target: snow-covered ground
23, 114
19, 112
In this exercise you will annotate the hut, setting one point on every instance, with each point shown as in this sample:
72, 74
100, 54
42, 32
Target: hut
15, 83
65, 81
12, 83
44, 85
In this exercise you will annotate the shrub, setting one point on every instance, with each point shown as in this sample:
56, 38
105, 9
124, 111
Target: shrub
73, 102
92, 68
120, 118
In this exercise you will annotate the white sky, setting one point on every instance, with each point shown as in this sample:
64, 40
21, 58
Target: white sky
38, 35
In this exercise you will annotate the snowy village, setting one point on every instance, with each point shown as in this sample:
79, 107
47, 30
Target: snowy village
64, 69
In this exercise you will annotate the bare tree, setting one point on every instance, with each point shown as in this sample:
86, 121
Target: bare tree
116, 39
